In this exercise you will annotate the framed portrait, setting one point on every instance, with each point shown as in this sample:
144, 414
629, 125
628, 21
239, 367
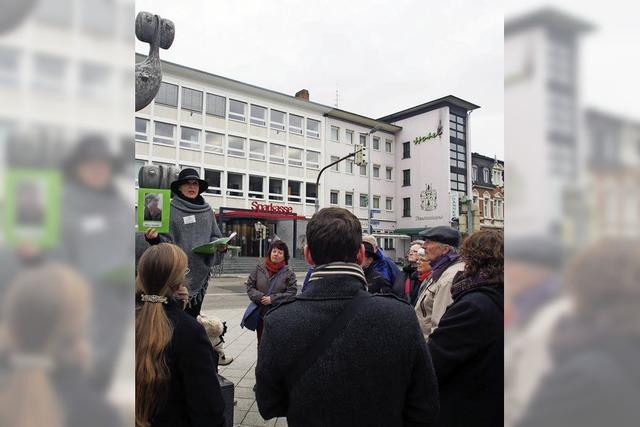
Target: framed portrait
153, 209
32, 207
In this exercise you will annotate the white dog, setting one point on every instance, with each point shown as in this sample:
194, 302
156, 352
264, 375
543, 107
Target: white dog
216, 329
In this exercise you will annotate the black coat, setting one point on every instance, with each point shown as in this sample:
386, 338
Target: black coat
377, 283
194, 397
377, 372
411, 272
468, 355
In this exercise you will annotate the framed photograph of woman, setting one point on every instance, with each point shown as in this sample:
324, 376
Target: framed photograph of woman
153, 209
32, 207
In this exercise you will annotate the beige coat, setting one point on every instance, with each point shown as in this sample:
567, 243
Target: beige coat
434, 298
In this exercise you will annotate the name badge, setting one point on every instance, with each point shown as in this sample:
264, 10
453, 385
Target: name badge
191, 219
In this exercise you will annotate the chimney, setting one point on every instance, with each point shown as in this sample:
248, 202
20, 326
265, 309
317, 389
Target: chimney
303, 94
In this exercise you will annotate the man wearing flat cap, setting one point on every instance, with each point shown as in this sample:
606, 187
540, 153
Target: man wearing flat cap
440, 246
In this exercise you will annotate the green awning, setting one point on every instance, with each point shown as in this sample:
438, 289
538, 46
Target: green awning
409, 231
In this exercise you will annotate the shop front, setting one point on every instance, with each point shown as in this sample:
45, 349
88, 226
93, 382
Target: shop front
281, 223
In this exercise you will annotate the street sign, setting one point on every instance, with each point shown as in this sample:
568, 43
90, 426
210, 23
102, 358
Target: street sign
455, 205
375, 211
375, 222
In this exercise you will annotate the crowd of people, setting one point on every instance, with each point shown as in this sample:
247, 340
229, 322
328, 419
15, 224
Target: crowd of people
364, 343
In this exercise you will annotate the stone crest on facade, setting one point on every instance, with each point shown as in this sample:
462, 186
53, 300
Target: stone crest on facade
429, 198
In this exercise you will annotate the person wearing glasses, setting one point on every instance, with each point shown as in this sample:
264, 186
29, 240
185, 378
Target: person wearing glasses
406, 285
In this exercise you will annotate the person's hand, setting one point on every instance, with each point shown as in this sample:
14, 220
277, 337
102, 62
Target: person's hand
266, 300
182, 294
151, 234
222, 248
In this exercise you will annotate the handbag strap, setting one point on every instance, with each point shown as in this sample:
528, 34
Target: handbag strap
273, 282
324, 341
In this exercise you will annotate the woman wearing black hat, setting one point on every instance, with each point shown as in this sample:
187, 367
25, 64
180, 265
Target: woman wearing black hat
192, 223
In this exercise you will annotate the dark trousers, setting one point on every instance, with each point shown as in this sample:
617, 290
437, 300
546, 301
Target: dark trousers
259, 330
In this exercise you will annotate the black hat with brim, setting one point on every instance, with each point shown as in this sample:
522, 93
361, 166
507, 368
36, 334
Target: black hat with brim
442, 234
189, 174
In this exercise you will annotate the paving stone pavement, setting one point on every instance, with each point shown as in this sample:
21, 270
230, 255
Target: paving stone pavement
241, 344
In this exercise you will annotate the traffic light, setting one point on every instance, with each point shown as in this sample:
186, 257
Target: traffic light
361, 155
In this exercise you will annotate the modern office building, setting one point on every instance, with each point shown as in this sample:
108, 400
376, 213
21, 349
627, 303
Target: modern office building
261, 152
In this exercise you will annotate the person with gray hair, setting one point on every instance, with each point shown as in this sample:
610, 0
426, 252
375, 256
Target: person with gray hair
434, 296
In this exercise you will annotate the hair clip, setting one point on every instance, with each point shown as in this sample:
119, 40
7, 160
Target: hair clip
153, 298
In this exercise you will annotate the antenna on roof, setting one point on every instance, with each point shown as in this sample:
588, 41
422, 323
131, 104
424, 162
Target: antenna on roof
337, 97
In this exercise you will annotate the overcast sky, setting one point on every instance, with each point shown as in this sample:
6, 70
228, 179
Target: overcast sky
381, 55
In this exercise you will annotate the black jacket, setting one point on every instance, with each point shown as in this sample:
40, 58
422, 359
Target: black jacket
411, 272
467, 351
376, 282
377, 372
194, 397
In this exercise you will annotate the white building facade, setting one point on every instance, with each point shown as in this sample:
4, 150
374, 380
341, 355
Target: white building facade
261, 152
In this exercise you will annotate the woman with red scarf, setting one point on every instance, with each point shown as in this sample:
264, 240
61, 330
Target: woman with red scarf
274, 273
423, 272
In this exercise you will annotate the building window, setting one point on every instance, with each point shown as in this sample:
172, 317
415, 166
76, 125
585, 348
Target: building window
311, 193
406, 177
406, 207
295, 124
406, 150
333, 197
257, 150
258, 115
388, 173
278, 120
164, 133
313, 160
388, 244
456, 126
376, 171
237, 110
376, 202
349, 166
348, 199
234, 185
459, 182
214, 143
363, 139
295, 191
313, 128
486, 208
485, 175
364, 200
275, 189
167, 95
457, 155
363, 170
236, 146
216, 105
348, 136
376, 143
387, 145
256, 187
276, 153
295, 156
388, 203
191, 100
335, 133
189, 138
497, 208
496, 178
139, 165
142, 130
474, 172
213, 178
335, 167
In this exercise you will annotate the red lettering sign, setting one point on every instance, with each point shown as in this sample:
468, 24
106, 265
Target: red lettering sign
271, 208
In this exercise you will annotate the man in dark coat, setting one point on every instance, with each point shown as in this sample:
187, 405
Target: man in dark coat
376, 370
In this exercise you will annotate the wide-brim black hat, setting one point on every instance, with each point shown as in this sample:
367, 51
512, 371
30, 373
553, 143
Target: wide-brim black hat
442, 234
189, 174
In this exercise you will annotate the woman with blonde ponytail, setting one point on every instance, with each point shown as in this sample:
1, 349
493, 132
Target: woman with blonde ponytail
176, 381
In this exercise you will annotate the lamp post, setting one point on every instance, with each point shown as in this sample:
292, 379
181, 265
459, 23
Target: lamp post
317, 204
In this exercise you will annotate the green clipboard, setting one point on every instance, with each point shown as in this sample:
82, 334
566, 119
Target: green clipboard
212, 247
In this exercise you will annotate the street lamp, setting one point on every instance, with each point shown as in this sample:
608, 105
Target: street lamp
375, 129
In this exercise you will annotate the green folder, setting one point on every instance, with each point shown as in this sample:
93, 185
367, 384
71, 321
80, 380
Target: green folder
212, 247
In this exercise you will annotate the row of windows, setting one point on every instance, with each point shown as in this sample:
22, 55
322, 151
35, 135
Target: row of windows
456, 126
165, 133
496, 176
491, 208
349, 167
334, 197
216, 105
252, 186
348, 138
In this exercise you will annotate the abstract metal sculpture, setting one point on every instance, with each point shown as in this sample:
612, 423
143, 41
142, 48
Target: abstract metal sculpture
159, 33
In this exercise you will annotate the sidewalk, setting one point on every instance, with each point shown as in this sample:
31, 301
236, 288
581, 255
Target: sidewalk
241, 344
